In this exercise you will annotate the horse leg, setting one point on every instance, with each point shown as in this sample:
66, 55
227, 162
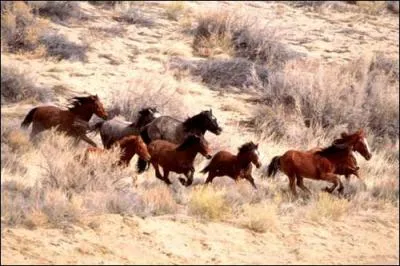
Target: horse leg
211, 176
292, 185
301, 185
251, 180
88, 140
362, 180
335, 180
165, 178
158, 174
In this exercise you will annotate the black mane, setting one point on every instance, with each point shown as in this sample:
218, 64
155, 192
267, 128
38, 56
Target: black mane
195, 122
189, 141
143, 118
76, 102
334, 148
249, 146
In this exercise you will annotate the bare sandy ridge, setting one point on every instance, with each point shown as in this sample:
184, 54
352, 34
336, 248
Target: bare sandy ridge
182, 240
369, 237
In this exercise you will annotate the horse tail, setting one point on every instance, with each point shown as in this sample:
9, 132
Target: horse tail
273, 167
205, 170
28, 118
145, 135
141, 164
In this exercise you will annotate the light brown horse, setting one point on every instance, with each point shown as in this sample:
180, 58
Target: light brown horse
130, 145
178, 159
319, 165
234, 166
347, 166
73, 121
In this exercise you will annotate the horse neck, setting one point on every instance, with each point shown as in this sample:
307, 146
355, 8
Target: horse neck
82, 112
193, 125
243, 160
188, 154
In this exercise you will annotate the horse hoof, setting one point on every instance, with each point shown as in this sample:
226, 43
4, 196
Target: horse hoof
183, 181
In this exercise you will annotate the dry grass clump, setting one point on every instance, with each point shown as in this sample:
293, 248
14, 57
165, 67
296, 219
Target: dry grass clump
18, 85
225, 73
208, 203
108, 32
174, 10
105, 4
58, 11
220, 32
146, 90
361, 94
328, 206
259, 218
20, 29
59, 47
134, 15
159, 200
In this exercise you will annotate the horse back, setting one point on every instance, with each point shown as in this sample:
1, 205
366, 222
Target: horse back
166, 128
223, 161
304, 163
50, 116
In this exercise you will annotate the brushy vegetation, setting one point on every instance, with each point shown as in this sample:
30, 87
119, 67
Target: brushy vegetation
146, 90
18, 85
58, 11
225, 73
134, 15
240, 37
20, 29
59, 47
174, 10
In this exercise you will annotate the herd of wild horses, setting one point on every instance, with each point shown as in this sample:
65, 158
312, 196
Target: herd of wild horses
166, 142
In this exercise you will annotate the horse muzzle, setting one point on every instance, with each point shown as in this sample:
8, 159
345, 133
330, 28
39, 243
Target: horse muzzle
218, 131
368, 157
259, 164
208, 156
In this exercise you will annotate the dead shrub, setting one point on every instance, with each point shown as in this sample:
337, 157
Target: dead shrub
20, 29
18, 85
174, 9
159, 200
258, 218
58, 11
158, 91
134, 15
225, 73
59, 47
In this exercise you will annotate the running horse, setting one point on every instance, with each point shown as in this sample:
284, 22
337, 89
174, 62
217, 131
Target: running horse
130, 145
319, 165
114, 129
234, 166
175, 131
73, 121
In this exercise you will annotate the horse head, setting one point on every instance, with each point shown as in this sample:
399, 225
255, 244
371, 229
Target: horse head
147, 115
250, 150
209, 121
358, 141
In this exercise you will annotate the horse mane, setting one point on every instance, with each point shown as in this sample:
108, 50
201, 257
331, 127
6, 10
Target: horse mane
249, 146
194, 122
77, 101
189, 141
336, 146
140, 118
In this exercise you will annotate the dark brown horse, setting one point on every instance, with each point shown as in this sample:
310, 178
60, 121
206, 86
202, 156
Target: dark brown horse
73, 121
319, 165
178, 159
347, 166
130, 145
234, 166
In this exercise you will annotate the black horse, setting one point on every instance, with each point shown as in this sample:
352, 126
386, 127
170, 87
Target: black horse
114, 129
175, 131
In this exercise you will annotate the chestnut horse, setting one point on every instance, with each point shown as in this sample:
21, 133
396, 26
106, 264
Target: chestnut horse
73, 121
178, 159
348, 165
130, 145
319, 165
234, 166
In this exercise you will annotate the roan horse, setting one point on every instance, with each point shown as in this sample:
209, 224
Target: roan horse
115, 129
73, 121
234, 166
130, 145
320, 165
175, 131
178, 159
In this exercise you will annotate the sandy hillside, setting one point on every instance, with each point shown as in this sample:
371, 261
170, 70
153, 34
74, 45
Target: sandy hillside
363, 231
